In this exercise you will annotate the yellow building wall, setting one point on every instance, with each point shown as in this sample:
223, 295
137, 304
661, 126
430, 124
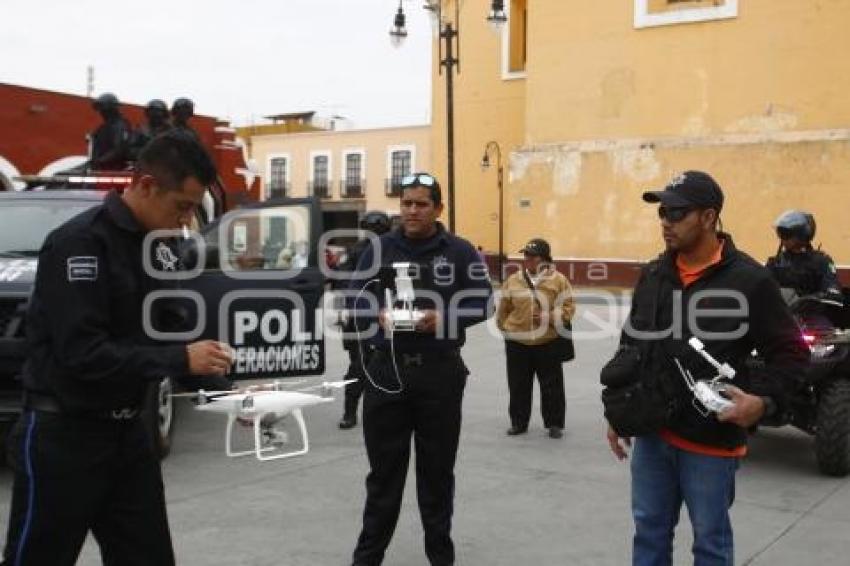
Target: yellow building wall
375, 143
607, 110
487, 108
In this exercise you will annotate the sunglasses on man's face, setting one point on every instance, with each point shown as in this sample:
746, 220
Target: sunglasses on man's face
420, 180
673, 213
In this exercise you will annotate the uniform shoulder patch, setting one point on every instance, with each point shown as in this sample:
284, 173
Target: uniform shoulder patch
82, 268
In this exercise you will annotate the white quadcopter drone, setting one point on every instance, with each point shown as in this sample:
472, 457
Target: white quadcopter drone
265, 407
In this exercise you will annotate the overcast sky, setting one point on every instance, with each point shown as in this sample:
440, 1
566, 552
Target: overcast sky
237, 59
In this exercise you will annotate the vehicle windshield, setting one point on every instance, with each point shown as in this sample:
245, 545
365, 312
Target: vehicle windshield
25, 224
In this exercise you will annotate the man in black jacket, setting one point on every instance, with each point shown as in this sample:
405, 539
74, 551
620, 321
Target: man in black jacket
701, 287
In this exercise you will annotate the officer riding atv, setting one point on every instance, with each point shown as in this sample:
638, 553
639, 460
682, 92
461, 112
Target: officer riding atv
820, 400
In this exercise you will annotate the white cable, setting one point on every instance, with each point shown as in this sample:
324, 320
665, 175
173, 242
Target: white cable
360, 347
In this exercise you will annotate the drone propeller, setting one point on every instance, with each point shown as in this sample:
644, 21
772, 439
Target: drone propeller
330, 385
276, 385
201, 392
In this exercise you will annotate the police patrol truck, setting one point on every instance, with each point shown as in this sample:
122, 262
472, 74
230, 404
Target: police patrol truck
249, 278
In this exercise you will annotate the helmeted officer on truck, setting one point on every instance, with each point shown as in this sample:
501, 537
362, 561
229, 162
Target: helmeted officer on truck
181, 111
156, 114
110, 142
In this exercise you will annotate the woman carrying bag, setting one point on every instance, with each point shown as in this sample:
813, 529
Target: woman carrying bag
536, 303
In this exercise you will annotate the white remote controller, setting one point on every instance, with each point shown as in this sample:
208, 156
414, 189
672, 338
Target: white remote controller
709, 395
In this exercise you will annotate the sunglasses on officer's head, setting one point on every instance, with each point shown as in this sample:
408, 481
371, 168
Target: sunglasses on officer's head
418, 180
674, 213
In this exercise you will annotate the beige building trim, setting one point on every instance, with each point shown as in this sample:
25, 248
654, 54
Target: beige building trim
645, 17
604, 145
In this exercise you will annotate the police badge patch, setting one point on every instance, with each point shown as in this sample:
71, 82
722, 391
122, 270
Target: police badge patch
82, 268
166, 258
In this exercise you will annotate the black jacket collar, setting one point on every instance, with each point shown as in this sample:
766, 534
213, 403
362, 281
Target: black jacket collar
441, 237
120, 213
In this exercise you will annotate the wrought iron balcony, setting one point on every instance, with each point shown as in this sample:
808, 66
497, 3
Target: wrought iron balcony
279, 190
352, 188
319, 189
392, 186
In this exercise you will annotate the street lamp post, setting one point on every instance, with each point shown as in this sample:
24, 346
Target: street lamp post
449, 35
493, 146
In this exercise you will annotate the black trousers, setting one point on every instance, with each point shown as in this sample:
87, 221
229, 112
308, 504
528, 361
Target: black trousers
429, 411
74, 475
353, 391
524, 362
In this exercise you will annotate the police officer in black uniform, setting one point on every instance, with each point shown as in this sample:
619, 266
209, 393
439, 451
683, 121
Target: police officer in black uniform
797, 265
110, 142
156, 113
415, 380
81, 457
378, 223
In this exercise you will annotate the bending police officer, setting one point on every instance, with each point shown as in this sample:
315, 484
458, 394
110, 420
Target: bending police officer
378, 223
82, 459
415, 380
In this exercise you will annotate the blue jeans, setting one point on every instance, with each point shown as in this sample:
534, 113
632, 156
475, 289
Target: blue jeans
664, 476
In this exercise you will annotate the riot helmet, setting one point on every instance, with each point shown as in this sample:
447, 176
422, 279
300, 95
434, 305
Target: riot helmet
183, 109
795, 224
156, 112
375, 221
156, 105
106, 101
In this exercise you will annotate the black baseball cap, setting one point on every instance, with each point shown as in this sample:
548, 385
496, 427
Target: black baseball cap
693, 189
538, 247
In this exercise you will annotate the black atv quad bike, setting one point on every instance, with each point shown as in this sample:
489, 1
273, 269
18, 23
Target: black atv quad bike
820, 403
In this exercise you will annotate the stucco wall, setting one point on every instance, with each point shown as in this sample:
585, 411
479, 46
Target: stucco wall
607, 110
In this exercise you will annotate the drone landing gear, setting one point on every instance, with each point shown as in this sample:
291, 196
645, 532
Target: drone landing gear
263, 452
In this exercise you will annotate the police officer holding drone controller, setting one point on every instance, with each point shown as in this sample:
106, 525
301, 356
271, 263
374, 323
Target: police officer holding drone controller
678, 382
431, 285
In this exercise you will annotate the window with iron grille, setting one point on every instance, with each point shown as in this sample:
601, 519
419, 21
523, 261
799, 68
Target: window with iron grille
320, 175
353, 171
400, 166
277, 176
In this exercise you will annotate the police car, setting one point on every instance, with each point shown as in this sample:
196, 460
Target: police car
250, 278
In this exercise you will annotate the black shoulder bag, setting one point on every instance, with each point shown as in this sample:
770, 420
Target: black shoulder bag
562, 346
637, 400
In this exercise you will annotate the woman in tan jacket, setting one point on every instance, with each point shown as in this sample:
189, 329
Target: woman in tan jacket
536, 302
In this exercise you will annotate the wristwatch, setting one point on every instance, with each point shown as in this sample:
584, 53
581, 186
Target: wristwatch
769, 406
